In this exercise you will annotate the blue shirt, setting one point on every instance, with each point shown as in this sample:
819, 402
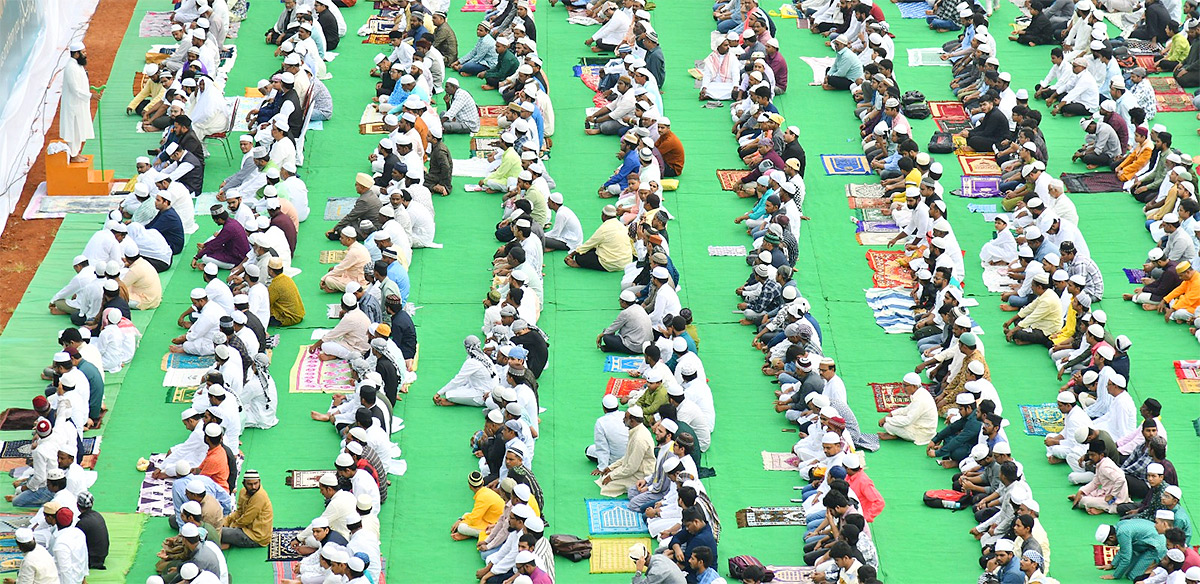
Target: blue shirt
704, 538
399, 275
629, 164
168, 224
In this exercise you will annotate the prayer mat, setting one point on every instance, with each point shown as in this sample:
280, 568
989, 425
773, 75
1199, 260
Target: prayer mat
981, 208
803, 23
181, 395
490, 114
779, 461
771, 516
11, 522
24, 448
487, 132
613, 517
878, 259
338, 207
736, 251
589, 75
995, 279
155, 24
611, 555
378, 24
888, 396
1147, 62
792, 574
953, 126
486, 144
1102, 555
185, 361
11, 464
1091, 182
1042, 419
477, 6
867, 191
312, 375
1135, 275
155, 496
42, 206
979, 164
17, 419
819, 65
1187, 375
948, 110
371, 121
1143, 47
870, 238
580, 17
868, 203
244, 106
913, 9
845, 164
873, 215
884, 226
1174, 102
931, 57
332, 256
10, 562
1165, 84
124, 535
474, 167
376, 39
305, 479
730, 179
980, 187
279, 549
286, 571
623, 387
889, 273
177, 377
614, 364
893, 310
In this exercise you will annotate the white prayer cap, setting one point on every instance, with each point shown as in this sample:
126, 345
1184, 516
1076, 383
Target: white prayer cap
218, 390
343, 460
652, 376
610, 402
1174, 491
661, 273
199, 33
628, 296
189, 530
328, 480
635, 411
1066, 397
733, 37
252, 269
912, 378
198, 293
287, 77
669, 425
1155, 468
980, 452
830, 438
522, 510
1060, 275
76, 46
212, 430
1117, 380
828, 412
292, 59
211, 269
1164, 514
306, 26
193, 507
964, 399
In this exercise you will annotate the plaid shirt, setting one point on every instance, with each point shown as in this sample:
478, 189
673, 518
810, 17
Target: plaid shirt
1137, 462
1094, 286
769, 298
463, 109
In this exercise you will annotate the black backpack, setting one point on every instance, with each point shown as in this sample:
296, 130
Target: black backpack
911, 97
941, 143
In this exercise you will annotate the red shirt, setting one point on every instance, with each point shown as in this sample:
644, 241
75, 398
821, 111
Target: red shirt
216, 467
868, 496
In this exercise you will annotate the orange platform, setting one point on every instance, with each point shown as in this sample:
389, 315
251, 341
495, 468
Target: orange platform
75, 178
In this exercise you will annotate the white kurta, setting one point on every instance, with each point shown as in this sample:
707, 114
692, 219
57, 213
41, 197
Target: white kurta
917, 421
75, 109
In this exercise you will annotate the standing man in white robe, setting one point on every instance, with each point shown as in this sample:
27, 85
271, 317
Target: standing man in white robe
75, 109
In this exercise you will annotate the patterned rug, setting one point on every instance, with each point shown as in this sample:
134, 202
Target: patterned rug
290, 570
337, 207
1042, 419
243, 107
952, 110
792, 574
866, 191
185, 361
1187, 375
930, 57
305, 479
1147, 62
312, 375
1174, 102
888, 396
819, 65
953, 126
980, 187
913, 9
873, 215
1102, 555
155, 496
845, 164
17, 419
730, 179
1141, 47
770, 516
1091, 182
979, 164
877, 238
623, 387
1165, 84
279, 549
42, 206
376, 39
610, 555
888, 271
1135, 275
727, 251
155, 24
489, 115
981, 208
613, 517
779, 461
886, 225
332, 256
590, 75
181, 395
24, 448
615, 364
179, 377
868, 203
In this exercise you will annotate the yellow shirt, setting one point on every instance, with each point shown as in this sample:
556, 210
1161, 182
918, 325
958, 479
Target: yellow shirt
612, 244
152, 91
253, 516
286, 305
1068, 329
487, 510
1044, 313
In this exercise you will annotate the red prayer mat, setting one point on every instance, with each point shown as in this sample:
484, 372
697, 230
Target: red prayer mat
1166, 84
1103, 555
889, 273
731, 179
623, 387
1174, 102
878, 259
979, 164
868, 203
948, 110
1147, 62
888, 396
1187, 375
376, 39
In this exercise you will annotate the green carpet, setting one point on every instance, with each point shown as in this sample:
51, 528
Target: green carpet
125, 537
448, 284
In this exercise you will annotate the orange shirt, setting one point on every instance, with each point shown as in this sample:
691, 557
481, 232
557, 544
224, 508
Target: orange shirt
216, 467
1186, 295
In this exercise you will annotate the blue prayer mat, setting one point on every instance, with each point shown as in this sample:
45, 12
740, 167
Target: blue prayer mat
612, 517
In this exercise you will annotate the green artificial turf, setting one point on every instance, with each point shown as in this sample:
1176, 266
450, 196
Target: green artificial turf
448, 284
